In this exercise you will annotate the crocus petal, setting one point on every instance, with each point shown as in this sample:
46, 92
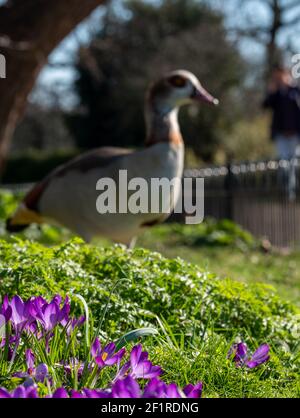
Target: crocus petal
29, 382
99, 361
111, 361
4, 393
29, 311
115, 358
56, 300
5, 303
192, 391
41, 372
6, 310
64, 312
242, 350
96, 348
153, 372
155, 388
135, 355
239, 353
21, 375
93, 393
19, 392
172, 391
31, 393
51, 316
145, 370
75, 394
40, 301
261, 355
109, 349
127, 388
29, 359
60, 393
80, 321
17, 306
123, 371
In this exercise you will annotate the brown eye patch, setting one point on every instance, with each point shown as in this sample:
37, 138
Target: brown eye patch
177, 81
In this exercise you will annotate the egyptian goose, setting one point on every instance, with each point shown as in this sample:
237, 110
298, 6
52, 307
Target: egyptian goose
68, 195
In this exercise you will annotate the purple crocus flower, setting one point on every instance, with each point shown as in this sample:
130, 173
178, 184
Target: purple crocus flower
86, 393
140, 366
193, 391
106, 356
158, 389
122, 388
126, 388
72, 323
19, 392
261, 355
6, 310
38, 374
29, 360
241, 357
50, 314
94, 393
239, 353
60, 393
20, 313
155, 388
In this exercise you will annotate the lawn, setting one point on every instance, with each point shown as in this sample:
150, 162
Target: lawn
247, 263
197, 310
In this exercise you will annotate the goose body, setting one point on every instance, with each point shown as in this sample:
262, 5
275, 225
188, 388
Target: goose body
68, 195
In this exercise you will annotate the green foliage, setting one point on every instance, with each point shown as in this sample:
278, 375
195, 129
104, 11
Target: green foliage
8, 203
140, 286
249, 140
31, 167
197, 314
208, 233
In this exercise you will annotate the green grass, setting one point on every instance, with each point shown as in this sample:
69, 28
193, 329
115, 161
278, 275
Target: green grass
197, 314
245, 263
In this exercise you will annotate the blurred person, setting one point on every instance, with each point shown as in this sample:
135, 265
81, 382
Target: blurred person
283, 98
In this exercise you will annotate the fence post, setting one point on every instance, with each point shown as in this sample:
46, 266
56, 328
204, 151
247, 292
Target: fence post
229, 186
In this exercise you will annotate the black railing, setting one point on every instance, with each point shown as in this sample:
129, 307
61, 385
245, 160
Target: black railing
263, 197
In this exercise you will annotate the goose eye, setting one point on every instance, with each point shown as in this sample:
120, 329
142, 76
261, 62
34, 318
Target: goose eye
177, 81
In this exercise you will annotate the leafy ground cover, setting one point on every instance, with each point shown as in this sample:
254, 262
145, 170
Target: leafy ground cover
198, 315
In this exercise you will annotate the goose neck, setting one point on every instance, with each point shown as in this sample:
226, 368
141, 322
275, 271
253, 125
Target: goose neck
162, 126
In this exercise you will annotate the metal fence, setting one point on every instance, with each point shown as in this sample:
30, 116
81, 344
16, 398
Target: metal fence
263, 197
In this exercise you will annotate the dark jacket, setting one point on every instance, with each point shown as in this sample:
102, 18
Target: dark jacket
286, 111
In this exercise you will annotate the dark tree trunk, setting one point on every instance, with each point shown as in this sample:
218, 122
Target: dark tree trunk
273, 54
29, 31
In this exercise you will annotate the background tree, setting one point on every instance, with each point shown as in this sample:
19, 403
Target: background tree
137, 46
29, 31
283, 17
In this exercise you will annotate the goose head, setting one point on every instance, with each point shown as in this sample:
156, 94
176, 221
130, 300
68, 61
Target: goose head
176, 89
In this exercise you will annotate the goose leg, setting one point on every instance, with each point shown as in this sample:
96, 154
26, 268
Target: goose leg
132, 243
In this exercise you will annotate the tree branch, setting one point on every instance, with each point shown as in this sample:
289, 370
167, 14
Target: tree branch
294, 21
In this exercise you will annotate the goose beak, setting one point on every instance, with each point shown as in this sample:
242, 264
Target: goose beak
201, 95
